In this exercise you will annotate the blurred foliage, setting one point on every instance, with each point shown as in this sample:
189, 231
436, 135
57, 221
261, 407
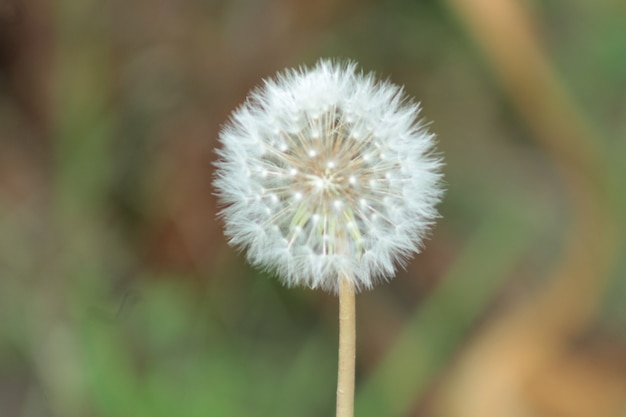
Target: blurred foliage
119, 296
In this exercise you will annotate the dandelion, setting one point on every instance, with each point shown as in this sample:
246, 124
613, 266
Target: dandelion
326, 173
327, 177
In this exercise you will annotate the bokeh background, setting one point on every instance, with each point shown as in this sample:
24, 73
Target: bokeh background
120, 298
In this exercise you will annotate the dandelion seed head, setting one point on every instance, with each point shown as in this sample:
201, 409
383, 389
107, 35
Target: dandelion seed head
327, 173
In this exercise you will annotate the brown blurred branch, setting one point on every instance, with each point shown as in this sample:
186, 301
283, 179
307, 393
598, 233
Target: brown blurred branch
493, 374
503, 31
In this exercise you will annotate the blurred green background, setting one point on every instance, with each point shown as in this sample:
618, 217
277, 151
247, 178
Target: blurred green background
120, 298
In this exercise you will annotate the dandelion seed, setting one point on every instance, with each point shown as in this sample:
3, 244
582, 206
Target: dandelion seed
358, 187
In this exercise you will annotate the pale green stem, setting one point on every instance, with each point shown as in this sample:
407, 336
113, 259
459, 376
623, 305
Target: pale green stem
347, 349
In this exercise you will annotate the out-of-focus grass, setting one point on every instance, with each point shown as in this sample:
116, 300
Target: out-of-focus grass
168, 357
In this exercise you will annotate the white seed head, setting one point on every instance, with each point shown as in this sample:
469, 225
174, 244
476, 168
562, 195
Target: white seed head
326, 173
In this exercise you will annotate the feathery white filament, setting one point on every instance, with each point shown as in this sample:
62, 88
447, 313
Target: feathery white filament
324, 173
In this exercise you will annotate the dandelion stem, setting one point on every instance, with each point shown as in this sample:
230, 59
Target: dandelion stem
347, 348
